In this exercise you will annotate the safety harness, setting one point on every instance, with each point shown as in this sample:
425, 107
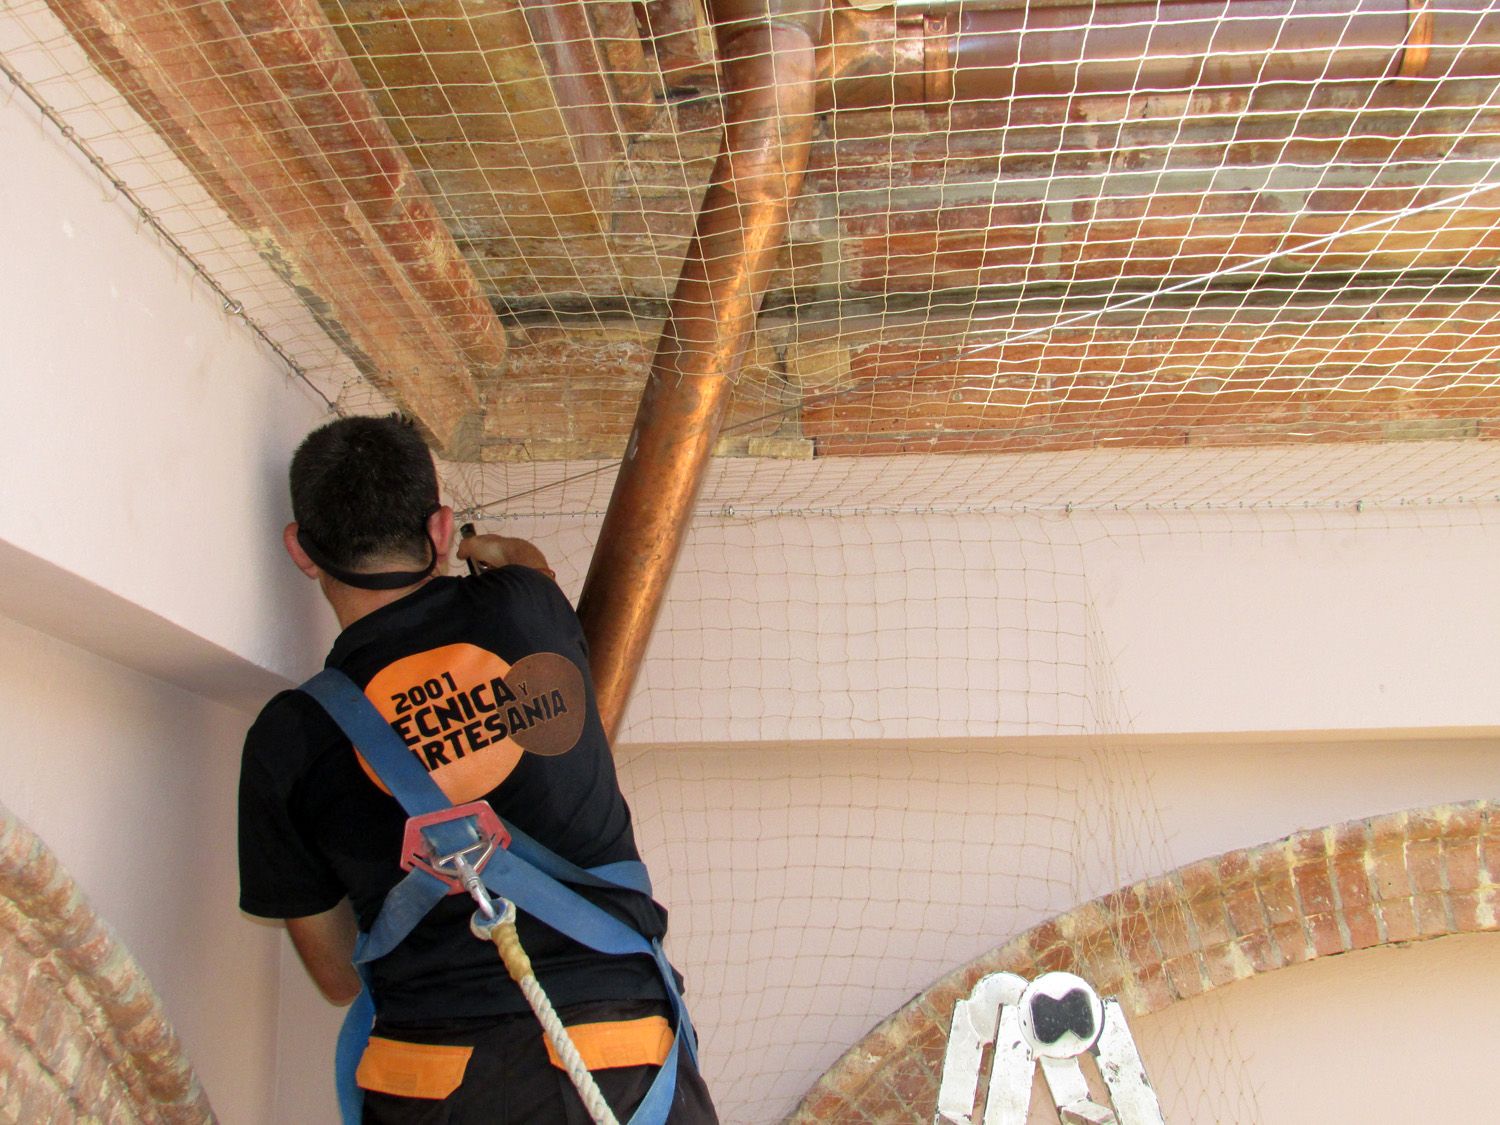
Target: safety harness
450, 849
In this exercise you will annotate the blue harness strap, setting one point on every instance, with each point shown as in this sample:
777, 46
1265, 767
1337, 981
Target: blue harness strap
527, 872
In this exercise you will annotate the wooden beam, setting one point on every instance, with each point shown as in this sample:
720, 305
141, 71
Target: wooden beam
1388, 367
260, 100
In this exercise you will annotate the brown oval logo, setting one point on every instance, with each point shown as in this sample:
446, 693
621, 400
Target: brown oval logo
549, 691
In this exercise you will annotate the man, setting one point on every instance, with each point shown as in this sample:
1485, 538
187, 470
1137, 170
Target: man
486, 681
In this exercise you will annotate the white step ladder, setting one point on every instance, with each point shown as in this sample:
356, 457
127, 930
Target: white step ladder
1053, 1020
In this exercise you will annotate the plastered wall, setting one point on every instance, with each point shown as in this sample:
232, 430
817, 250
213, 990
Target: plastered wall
130, 781
144, 605
831, 884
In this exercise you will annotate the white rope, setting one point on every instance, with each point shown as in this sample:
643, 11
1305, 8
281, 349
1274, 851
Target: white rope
502, 931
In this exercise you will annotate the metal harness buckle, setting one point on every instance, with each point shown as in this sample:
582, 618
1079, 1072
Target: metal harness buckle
459, 869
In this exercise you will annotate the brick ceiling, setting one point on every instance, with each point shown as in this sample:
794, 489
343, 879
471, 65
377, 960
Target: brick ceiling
1235, 264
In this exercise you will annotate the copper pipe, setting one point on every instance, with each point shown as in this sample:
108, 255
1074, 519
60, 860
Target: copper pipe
769, 60
891, 57
1418, 49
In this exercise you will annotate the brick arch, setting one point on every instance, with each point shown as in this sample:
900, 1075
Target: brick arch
1397, 878
82, 1033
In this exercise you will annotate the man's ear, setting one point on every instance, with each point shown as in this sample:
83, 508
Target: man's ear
440, 527
299, 556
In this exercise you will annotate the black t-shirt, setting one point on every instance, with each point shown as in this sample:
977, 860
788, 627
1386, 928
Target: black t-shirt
486, 679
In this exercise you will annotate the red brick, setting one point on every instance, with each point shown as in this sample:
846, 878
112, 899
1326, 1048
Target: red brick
1352, 883
876, 1102
1485, 908
1019, 963
1467, 916
1201, 881
1153, 989
1211, 921
1099, 957
1461, 864
1221, 964
1388, 832
1351, 839
1327, 938
129, 1007
969, 976
1169, 926
1423, 824
1134, 937
1432, 914
1314, 888
1389, 875
1246, 912
92, 1082
90, 949
1184, 976
1262, 954
1292, 941
910, 1081
1364, 928
824, 1107
1234, 867
1268, 861
1044, 937
1491, 855
1307, 846
940, 1000
15, 969
1057, 959
1400, 920
1490, 822
38, 996
40, 1100
1279, 898
1424, 865
1465, 821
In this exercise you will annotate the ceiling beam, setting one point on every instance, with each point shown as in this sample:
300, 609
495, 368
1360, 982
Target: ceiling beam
1383, 368
1392, 358
260, 100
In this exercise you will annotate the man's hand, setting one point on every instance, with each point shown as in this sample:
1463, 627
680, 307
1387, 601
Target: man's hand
325, 942
487, 551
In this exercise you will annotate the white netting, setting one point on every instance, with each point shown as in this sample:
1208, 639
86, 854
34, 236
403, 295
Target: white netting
1128, 293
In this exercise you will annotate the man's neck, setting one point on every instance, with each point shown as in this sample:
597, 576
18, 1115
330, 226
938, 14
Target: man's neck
350, 603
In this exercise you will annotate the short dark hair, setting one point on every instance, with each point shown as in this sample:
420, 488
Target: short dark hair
362, 488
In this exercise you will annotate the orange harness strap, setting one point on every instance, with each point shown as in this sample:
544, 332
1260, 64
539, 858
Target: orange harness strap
642, 1042
412, 1070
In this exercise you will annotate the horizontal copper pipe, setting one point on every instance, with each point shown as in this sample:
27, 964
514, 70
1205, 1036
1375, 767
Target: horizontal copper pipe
769, 66
895, 57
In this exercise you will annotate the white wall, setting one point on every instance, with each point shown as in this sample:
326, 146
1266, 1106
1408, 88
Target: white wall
814, 889
131, 782
145, 605
1395, 1034
865, 748
809, 626
147, 431
1300, 620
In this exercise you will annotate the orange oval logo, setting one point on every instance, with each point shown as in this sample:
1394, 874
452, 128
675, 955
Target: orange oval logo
468, 716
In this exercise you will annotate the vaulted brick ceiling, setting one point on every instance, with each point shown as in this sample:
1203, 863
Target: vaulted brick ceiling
1006, 274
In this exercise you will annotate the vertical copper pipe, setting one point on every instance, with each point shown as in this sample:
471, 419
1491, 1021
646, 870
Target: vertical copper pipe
770, 71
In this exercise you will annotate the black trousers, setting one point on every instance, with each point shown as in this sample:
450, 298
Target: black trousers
509, 1079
